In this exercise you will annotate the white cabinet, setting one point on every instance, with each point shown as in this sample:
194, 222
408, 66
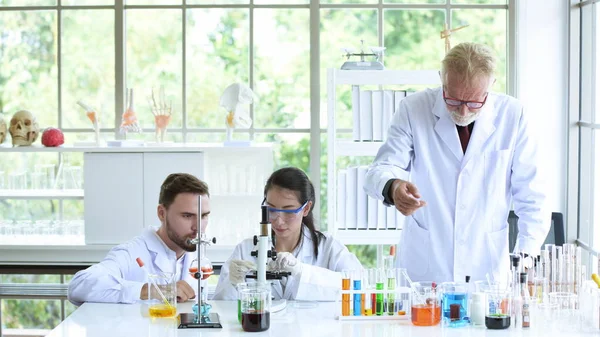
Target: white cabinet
122, 190
343, 147
157, 166
113, 203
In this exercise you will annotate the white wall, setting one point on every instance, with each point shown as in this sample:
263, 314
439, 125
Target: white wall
542, 57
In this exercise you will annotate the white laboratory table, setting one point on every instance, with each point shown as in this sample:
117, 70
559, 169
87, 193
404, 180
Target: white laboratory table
113, 320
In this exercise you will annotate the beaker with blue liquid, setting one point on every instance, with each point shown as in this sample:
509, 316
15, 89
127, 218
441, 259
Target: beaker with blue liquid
455, 304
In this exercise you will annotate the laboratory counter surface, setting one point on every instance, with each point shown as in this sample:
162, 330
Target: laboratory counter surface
297, 319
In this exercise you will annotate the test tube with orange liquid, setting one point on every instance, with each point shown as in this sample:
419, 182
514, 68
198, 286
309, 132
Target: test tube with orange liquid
345, 297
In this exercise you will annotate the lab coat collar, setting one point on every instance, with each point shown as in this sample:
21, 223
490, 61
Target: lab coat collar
163, 257
446, 128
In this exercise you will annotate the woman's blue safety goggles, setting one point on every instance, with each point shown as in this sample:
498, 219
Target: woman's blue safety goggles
286, 214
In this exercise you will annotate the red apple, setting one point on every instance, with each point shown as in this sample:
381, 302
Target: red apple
53, 137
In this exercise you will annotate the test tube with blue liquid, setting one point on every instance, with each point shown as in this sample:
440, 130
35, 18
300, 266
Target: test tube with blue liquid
455, 304
356, 283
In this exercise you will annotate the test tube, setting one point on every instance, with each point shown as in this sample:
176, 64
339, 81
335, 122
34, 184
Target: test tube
560, 265
578, 281
546, 273
391, 286
379, 285
372, 282
550, 248
358, 307
402, 292
569, 256
369, 286
345, 297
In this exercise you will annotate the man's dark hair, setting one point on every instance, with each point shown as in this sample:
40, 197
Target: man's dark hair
177, 183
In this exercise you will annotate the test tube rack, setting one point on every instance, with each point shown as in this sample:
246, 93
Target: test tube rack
401, 308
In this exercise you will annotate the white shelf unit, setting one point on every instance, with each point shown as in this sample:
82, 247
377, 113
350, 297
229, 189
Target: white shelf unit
344, 147
235, 176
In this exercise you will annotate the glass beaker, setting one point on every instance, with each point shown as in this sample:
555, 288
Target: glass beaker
256, 307
455, 304
162, 295
426, 309
498, 310
546, 316
48, 175
240, 287
17, 181
567, 316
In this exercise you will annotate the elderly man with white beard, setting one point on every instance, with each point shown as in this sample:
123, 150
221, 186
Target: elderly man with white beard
470, 155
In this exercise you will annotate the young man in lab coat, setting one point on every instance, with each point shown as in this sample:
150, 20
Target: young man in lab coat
470, 153
119, 279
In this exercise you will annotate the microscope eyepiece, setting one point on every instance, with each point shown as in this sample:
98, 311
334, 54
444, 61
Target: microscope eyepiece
264, 214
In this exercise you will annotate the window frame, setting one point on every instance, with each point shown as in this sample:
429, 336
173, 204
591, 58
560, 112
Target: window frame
582, 129
316, 130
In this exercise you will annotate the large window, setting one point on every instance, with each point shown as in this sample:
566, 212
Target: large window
54, 53
585, 110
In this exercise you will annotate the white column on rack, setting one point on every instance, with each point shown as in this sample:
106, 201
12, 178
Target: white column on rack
377, 115
341, 200
351, 209
356, 112
366, 116
361, 199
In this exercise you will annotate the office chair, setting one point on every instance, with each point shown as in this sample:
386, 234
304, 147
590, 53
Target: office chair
556, 235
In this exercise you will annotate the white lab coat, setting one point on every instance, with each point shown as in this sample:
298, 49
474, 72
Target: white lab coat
119, 279
320, 278
463, 229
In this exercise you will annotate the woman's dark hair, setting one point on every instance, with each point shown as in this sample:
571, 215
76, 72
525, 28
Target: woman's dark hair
294, 179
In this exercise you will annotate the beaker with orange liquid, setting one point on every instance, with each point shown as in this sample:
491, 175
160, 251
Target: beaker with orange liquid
426, 308
162, 295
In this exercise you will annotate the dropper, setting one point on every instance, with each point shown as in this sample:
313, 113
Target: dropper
162, 296
413, 286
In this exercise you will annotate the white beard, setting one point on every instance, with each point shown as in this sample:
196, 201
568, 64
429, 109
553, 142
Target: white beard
464, 120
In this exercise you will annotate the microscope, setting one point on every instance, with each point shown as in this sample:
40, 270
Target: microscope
266, 251
202, 317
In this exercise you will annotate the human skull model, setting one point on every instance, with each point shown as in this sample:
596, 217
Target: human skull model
2, 130
23, 129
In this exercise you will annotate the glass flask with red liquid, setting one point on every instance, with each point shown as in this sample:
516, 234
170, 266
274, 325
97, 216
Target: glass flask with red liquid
206, 266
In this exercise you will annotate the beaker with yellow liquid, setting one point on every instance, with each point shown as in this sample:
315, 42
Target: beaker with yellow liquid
162, 295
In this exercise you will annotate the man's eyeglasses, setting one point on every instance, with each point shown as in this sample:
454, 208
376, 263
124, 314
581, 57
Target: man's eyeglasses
470, 104
285, 214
